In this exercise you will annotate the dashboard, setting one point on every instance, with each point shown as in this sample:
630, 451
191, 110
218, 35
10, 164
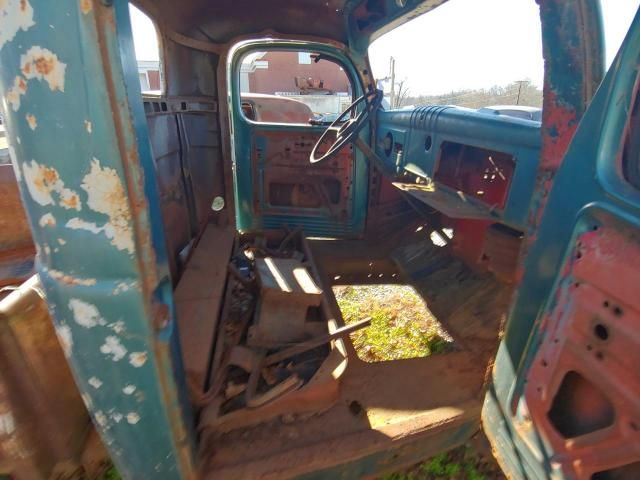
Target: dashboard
464, 163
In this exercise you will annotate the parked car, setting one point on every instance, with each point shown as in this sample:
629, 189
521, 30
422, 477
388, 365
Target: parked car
262, 107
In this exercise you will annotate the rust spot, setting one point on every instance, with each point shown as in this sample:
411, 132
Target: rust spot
31, 120
18, 89
42, 64
70, 200
85, 6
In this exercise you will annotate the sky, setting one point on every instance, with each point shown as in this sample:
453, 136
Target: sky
461, 44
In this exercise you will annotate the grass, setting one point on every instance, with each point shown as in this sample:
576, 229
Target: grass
401, 325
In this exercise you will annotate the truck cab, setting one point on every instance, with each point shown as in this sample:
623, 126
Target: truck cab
186, 244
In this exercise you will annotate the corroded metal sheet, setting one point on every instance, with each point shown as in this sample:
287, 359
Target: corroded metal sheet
43, 421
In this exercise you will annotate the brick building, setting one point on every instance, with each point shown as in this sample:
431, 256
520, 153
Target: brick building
281, 72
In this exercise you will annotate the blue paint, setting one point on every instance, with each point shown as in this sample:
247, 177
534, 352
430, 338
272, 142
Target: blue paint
115, 344
249, 190
519, 138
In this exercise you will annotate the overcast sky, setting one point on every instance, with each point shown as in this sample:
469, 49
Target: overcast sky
461, 44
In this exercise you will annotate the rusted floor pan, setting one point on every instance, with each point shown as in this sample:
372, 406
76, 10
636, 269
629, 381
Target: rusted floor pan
381, 405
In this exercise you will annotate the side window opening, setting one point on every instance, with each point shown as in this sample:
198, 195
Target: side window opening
496, 65
298, 87
145, 40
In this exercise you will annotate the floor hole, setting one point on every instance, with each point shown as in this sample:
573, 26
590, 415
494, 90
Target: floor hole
401, 326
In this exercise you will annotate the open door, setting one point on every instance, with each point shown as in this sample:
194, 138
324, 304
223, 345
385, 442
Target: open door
564, 399
284, 95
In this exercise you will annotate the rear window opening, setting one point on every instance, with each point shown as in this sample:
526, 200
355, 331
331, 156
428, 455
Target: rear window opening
402, 326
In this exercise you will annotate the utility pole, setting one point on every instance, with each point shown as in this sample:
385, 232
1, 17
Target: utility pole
520, 82
392, 68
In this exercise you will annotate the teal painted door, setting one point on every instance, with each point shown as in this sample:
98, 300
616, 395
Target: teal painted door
563, 399
275, 184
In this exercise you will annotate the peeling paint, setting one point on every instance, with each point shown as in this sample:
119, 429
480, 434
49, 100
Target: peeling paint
70, 280
95, 382
79, 224
106, 195
70, 199
14, 93
88, 126
116, 417
32, 121
65, 338
16, 15
101, 418
85, 6
138, 359
47, 220
42, 64
117, 327
129, 389
123, 287
43, 181
39, 180
113, 347
133, 418
85, 314
62, 241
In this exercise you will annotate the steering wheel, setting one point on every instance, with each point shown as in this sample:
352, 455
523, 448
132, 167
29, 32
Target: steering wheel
347, 131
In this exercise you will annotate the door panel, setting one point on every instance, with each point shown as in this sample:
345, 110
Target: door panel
288, 186
568, 405
275, 183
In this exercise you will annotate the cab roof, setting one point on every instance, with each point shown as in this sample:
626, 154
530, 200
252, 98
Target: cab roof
353, 22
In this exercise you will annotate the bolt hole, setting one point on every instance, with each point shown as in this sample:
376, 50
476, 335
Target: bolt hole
605, 304
589, 348
544, 363
579, 255
601, 331
577, 284
617, 311
595, 228
599, 355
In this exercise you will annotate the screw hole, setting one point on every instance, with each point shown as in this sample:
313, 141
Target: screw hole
427, 143
595, 228
617, 311
544, 363
599, 355
601, 331
579, 255
589, 348
605, 304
